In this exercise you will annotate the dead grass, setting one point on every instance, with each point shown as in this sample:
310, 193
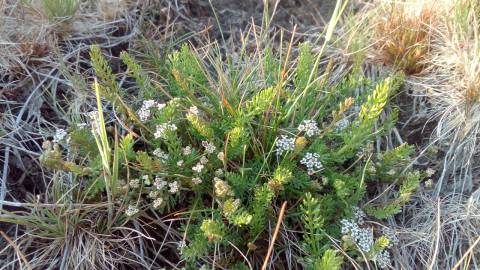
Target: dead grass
402, 36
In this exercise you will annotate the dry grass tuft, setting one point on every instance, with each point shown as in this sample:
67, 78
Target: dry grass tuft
402, 36
435, 233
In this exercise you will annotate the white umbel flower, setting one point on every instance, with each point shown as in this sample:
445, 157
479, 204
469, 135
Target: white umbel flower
144, 112
134, 183
157, 202
187, 150
383, 259
363, 237
173, 187
203, 160
153, 194
209, 147
312, 162
160, 154
196, 180
284, 144
131, 210
162, 129
309, 127
146, 180
198, 167
159, 183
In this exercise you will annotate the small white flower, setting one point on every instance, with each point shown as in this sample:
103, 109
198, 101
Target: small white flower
196, 180
193, 110
429, 183
157, 202
146, 180
187, 150
209, 147
173, 187
430, 172
284, 144
160, 154
153, 194
382, 258
180, 163
219, 173
312, 162
59, 135
203, 160
309, 127
162, 129
221, 156
198, 168
181, 245
134, 183
159, 183
131, 210
363, 237
359, 215
342, 124
144, 112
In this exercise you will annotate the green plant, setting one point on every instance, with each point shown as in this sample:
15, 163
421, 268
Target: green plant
218, 141
59, 9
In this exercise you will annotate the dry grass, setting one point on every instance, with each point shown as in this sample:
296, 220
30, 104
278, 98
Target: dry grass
402, 36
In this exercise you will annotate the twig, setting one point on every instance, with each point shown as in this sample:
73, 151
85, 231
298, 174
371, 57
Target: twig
275, 233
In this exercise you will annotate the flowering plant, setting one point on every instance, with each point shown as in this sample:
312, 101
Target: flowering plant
221, 145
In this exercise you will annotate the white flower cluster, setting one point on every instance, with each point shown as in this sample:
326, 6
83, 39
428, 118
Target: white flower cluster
146, 180
363, 237
131, 210
163, 128
187, 150
144, 112
198, 168
309, 127
160, 154
157, 202
159, 183
59, 135
93, 116
173, 187
359, 215
391, 236
382, 258
312, 162
342, 124
196, 180
204, 160
209, 147
284, 144
134, 183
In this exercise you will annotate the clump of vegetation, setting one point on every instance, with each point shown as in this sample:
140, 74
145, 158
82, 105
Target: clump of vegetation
402, 36
59, 9
221, 143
